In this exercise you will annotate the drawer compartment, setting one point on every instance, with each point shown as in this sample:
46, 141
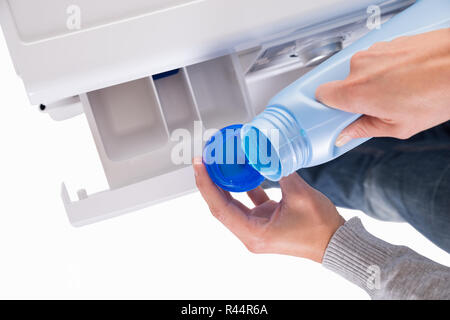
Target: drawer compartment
129, 119
219, 92
177, 103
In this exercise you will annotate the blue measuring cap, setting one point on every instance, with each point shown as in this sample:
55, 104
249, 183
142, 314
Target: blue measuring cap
226, 162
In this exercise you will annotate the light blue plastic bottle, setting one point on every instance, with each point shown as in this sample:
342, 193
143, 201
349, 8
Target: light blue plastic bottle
308, 129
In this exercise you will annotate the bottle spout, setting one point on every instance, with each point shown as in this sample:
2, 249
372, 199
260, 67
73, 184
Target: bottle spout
274, 144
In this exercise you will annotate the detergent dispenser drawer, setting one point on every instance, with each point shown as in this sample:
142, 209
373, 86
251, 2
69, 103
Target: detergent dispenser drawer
147, 131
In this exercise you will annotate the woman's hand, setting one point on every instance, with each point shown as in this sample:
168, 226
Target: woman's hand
301, 224
402, 87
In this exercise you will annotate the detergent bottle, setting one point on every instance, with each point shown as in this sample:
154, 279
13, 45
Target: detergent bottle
295, 131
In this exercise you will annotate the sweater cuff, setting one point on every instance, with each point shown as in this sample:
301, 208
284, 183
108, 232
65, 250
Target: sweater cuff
357, 255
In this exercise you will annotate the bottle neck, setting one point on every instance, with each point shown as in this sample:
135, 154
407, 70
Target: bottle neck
289, 149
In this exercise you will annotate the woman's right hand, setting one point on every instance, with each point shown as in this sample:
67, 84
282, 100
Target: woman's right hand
401, 87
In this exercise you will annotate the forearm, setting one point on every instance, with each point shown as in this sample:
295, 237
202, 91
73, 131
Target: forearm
385, 271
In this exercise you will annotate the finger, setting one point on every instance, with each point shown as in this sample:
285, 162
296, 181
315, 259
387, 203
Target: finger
241, 206
292, 185
209, 191
364, 127
198, 169
381, 45
226, 194
265, 211
333, 94
221, 204
235, 202
258, 196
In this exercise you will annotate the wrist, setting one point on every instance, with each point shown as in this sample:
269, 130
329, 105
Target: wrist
341, 221
320, 246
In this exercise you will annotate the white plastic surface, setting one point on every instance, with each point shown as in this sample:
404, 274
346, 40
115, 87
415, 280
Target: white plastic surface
105, 205
121, 41
93, 13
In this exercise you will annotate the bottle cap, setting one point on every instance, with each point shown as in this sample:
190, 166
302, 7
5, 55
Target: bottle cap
226, 162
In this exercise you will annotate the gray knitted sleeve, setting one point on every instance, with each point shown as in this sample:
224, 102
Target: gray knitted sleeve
385, 271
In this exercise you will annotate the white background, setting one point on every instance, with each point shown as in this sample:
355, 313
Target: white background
173, 250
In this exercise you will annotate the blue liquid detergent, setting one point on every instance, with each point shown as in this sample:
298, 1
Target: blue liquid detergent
306, 130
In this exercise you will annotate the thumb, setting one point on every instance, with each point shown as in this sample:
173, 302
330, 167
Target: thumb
333, 94
364, 127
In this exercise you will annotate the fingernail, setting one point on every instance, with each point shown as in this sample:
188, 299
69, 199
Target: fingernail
197, 160
342, 140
